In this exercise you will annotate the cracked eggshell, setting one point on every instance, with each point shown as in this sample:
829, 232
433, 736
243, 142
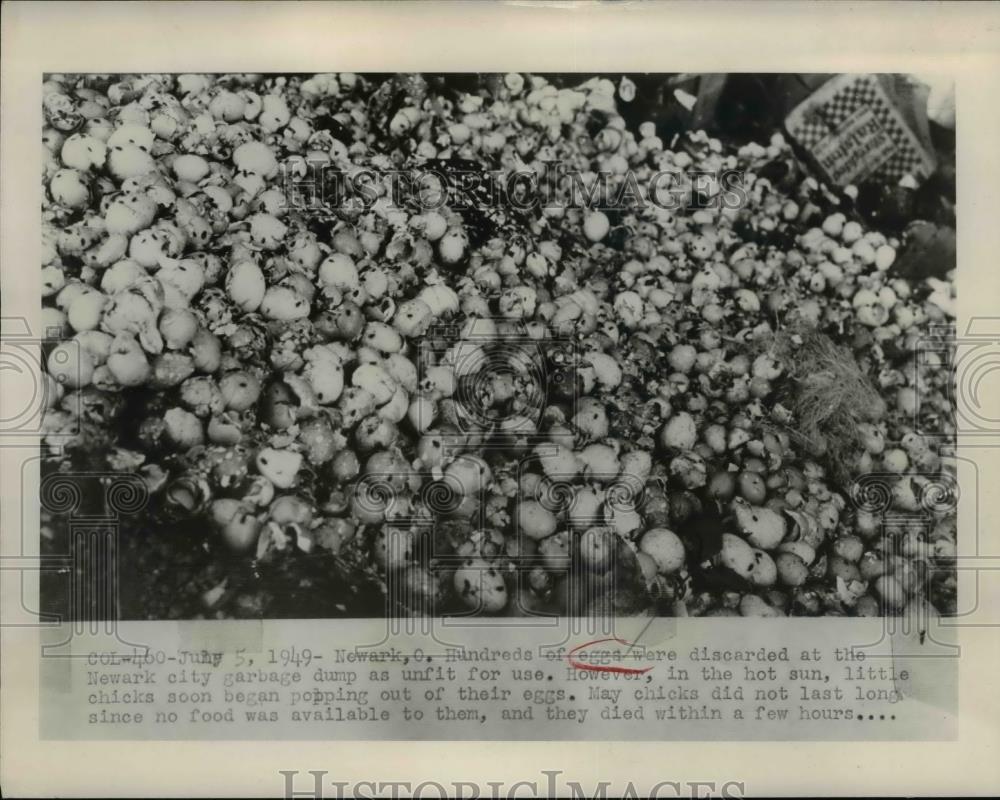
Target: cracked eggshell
183, 429
584, 509
393, 547
555, 551
354, 405
274, 114
227, 106
344, 323
752, 605
736, 555
177, 327
69, 292
439, 381
83, 152
108, 250
376, 381
326, 377
97, 343
422, 413
413, 318
271, 201
431, 224
452, 246
622, 518
430, 450
607, 371
374, 432
284, 304
591, 418
557, 461
190, 168
132, 134
255, 158
69, 188
86, 309
402, 370
239, 528
77, 239
246, 286
54, 280
146, 248
465, 359
440, 299
129, 161
267, 231
181, 281
240, 390
518, 302
806, 529
201, 396
629, 309
600, 462
338, 270
534, 520
382, 337
680, 432
224, 429
169, 369
763, 527
395, 409
800, 549
470, 474
665, 548
480, 586
375, 282
131, 311
280, 467
792, 569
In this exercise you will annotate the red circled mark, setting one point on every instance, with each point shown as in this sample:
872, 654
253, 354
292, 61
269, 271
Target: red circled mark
602, 668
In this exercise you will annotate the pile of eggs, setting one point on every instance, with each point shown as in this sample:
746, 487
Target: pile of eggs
509, 411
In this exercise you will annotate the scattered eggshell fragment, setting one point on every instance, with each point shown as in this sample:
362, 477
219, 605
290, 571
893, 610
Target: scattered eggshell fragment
280, 467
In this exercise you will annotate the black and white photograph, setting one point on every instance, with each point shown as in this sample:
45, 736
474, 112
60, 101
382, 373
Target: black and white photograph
355, 345
499, 400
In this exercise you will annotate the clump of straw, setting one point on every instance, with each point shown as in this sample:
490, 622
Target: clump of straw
828, 394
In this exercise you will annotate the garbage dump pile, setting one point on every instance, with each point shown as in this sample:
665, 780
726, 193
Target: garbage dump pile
428, 401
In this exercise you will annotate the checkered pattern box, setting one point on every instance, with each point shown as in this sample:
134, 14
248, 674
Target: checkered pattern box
855, 132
